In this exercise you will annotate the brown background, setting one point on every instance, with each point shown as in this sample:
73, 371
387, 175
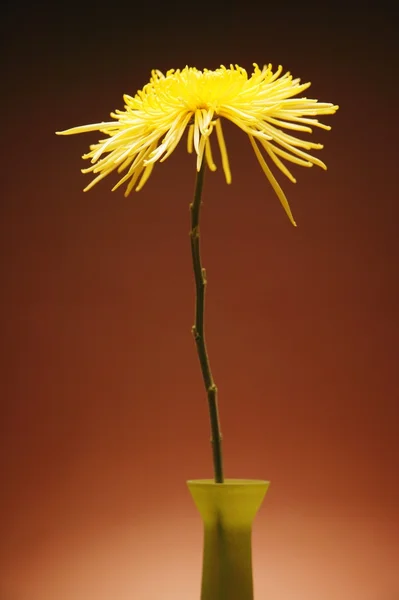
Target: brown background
103, 412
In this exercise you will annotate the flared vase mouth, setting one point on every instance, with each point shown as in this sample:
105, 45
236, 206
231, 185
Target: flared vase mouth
227, 483
235, 501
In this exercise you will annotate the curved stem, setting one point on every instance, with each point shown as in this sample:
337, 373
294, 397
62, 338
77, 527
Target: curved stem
198, 328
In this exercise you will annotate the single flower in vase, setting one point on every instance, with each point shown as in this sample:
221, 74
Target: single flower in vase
267, 106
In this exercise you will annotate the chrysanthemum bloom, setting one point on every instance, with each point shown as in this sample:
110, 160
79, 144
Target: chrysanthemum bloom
154, 121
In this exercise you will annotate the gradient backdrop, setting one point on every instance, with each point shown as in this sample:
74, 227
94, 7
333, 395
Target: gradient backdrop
104, 416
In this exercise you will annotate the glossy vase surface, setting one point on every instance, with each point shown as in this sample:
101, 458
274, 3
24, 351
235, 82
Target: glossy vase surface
227, 510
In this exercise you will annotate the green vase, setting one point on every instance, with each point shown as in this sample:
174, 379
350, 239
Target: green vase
227, 510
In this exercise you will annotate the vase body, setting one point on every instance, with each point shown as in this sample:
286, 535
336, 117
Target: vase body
227, 510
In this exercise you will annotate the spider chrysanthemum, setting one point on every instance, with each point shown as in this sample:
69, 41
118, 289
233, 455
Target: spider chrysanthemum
263, 105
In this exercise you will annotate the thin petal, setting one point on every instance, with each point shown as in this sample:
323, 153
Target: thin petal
272, 180
208, 155
201, 151
190, 139
147, 172
288, 125
85, 128
223, 151
279, 163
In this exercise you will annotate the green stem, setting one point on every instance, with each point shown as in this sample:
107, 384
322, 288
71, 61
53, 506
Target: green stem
198, 328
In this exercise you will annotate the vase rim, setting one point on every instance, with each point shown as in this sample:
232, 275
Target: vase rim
228, 482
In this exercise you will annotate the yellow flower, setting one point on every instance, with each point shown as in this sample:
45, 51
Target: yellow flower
154, 121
